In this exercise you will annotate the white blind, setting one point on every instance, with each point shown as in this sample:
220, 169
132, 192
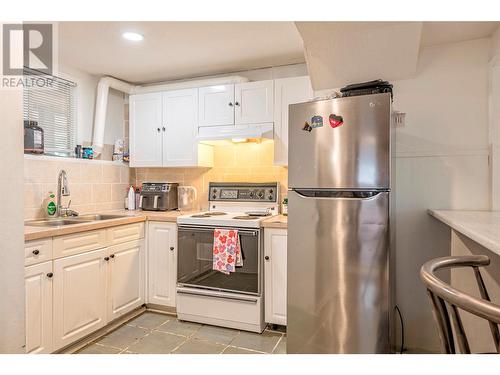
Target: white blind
50, 101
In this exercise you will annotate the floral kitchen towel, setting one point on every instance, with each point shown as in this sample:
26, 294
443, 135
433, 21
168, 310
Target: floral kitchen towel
227, 251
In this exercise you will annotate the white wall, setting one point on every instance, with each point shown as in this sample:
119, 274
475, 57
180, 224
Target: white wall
11, 223
442, 162
85, 94
494, 97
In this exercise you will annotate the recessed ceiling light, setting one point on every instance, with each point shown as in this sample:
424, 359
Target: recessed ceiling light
134, 37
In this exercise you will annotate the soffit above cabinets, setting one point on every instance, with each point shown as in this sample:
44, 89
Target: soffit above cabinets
436, 33
340, 53
177, 50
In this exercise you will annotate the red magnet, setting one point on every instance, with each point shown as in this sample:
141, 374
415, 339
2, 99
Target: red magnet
335, 121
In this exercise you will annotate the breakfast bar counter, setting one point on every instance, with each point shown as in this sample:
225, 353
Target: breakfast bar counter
482, 227
475, 233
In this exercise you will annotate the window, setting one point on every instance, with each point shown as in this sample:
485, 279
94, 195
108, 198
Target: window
51, 102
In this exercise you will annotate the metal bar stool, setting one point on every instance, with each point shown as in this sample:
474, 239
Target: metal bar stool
446, 302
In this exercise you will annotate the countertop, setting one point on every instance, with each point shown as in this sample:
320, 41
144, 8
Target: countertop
34, 233
482, 227
278, 221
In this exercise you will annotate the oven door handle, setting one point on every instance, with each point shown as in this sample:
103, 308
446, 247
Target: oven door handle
212, 295
201, 229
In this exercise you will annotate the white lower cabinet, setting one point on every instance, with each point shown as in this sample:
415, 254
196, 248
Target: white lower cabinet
92, 278
38, 284
275, 286
125, 282
162, 263
79, 296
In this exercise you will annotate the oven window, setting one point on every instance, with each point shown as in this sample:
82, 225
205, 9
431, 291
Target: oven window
194, 262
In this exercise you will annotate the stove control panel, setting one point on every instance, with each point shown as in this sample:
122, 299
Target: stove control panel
244, 192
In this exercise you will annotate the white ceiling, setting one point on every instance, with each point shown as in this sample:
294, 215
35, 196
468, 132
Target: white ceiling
173, 50
176, 50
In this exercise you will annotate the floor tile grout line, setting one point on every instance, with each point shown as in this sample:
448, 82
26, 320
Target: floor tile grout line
178, 346
247, 349
275, 346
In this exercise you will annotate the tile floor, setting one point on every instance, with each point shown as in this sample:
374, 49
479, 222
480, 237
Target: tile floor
152, 333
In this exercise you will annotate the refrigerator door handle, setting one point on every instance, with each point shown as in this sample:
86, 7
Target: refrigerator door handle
338, 194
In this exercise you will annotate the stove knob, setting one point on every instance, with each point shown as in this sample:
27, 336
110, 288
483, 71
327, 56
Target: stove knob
214, 196
251, 194
271, 191
261, 194
270, 197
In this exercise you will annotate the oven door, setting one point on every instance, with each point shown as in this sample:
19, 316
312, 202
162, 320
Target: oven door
195, 259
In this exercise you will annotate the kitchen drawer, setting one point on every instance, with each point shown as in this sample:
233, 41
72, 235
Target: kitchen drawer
125, 233
37, 251
78, 243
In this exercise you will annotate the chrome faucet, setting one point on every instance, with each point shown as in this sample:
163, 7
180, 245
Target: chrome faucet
63, 190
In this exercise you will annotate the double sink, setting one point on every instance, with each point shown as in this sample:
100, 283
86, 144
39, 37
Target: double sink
62, 221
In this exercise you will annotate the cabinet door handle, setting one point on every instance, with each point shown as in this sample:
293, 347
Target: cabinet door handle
158, 129
230, 104
266, 257
171, 248
164, 128
236, 103
36, 252
106, 259
49, 275
112, 256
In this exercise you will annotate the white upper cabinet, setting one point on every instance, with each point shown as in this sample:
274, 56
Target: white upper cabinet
253, 102
145, 130
287, 91
163, 130
216, 105
180, 115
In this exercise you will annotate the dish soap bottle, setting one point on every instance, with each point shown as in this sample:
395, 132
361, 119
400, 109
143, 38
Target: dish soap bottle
131, 198
49, 205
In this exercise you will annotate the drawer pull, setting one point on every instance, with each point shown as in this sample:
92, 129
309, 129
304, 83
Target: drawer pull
266, 257
49, 275
171, 248
106, 259
36, 252
112, 256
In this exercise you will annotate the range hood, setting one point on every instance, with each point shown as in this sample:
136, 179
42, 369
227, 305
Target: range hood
235, 132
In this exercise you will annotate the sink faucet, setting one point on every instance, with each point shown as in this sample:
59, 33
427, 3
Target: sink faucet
63, 190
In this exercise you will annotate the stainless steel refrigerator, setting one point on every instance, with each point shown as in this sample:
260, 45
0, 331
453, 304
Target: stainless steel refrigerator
339, 202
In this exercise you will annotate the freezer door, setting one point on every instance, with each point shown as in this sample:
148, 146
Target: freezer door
338, 285
340, 143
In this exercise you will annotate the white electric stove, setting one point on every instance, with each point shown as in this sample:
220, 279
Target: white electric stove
208, 296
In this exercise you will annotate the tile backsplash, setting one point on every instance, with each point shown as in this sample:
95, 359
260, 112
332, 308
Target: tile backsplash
94, 186
240, 162
97, 186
